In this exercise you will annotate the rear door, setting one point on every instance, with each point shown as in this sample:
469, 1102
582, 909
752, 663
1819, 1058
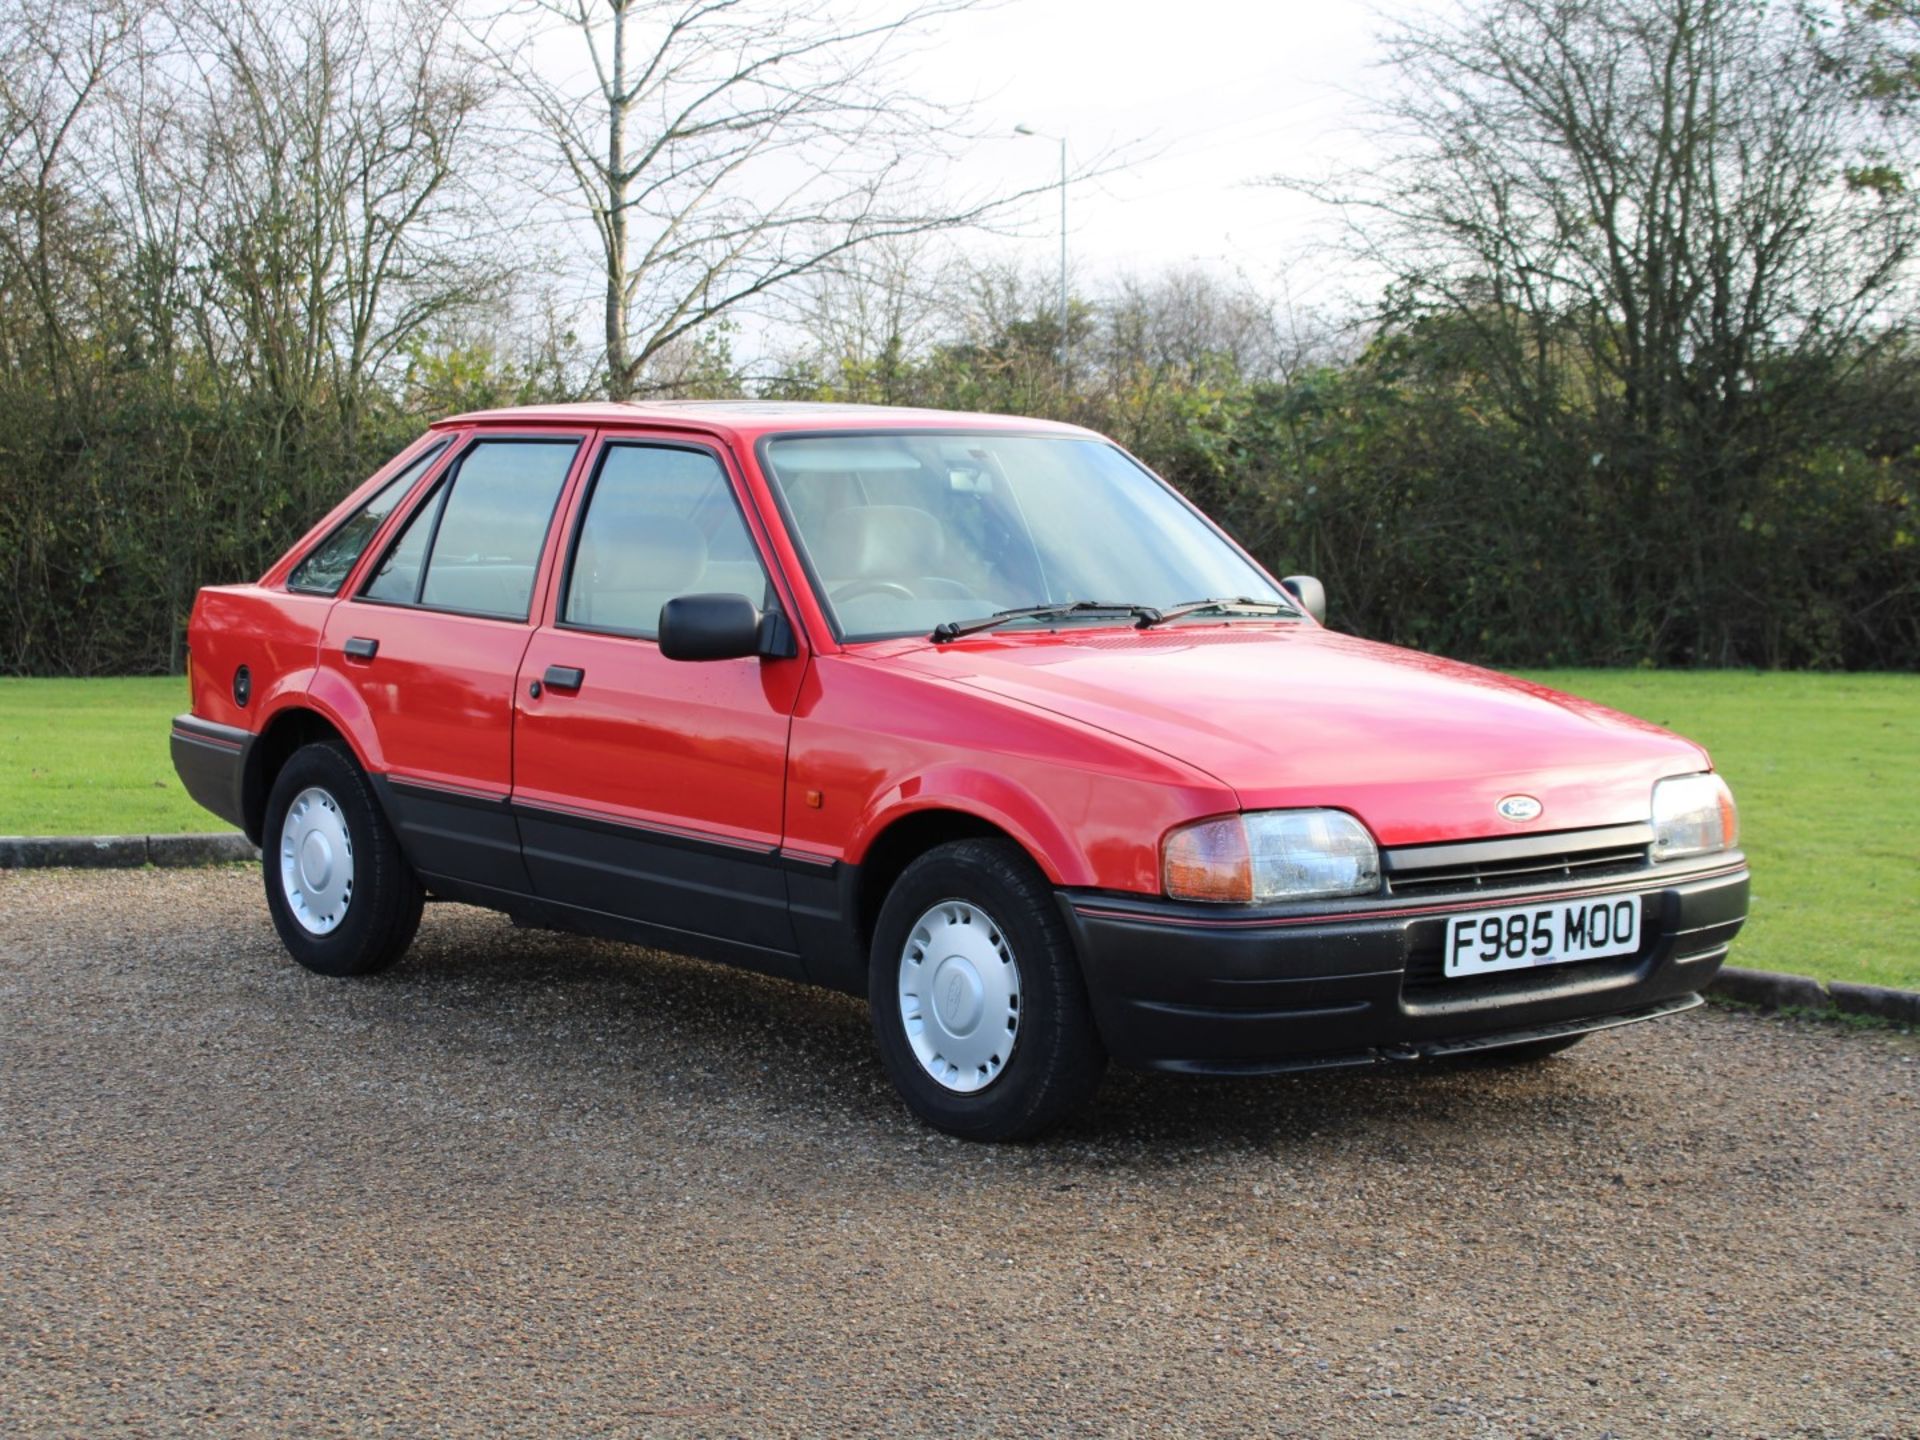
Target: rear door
648, 788
432, 643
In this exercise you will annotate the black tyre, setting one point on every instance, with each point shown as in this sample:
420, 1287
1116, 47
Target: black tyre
342, 896
978, 1004
1501, 1056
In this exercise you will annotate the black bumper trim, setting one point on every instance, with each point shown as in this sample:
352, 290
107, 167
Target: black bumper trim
1436, 1050
1679, 1005
211, 761
1286, 1012
1173, 988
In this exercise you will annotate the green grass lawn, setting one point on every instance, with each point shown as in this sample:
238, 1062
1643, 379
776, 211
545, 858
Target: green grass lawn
1826, 769
89, 757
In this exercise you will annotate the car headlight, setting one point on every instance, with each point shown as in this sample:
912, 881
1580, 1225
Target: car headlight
1693, 815
1270, 855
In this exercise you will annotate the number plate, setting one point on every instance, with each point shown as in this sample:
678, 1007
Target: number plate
1490, 940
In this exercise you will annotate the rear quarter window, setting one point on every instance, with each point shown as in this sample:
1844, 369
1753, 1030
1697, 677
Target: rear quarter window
325, 568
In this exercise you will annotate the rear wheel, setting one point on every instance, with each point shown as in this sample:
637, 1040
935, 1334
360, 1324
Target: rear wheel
340, 892
978, 1006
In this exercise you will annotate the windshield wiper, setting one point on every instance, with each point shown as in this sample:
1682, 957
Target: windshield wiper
1231, 602
954, 629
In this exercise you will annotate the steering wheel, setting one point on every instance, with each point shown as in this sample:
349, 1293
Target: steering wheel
858, 588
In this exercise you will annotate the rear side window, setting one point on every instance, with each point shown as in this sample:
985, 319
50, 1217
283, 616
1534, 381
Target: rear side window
327, 565
474, 544
661, 522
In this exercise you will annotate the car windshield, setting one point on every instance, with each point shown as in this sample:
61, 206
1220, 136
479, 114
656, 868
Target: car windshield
907, 532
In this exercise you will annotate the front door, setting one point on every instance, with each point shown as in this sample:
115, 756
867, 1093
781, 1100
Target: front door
646, 788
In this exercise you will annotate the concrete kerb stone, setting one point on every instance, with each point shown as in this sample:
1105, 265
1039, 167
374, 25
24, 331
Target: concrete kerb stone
222, 849
1774, 991
121, 852
83, 852
1878, 1000
1771, 989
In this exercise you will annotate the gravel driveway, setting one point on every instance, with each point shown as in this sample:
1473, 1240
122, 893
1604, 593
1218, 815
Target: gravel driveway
526, 1183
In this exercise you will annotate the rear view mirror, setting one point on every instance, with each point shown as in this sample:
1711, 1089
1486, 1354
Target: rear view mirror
1311, 594
721, 627
969, 481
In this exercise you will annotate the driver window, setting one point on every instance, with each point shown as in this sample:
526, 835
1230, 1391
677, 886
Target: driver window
661, 522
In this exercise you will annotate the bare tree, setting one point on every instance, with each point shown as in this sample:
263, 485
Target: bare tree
1189, 323
56, 274
1880, 46
1875, 45
284, 183
53, 66
1635, 220
303, 159
862, 320
1658, 182
721, 148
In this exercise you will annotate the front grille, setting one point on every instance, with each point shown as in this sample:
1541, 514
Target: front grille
1533, 869
1465, 867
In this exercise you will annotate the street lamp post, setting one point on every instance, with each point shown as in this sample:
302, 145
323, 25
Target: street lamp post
1062, 140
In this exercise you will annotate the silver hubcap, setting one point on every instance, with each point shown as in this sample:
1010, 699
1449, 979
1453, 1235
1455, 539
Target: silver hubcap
959, 996
316, 861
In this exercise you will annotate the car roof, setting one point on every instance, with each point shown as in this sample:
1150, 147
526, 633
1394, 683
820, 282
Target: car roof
749, 419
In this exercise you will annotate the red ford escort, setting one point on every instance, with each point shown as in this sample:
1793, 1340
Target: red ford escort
973, 716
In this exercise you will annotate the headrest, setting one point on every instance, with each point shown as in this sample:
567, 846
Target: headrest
633, 550
880, 541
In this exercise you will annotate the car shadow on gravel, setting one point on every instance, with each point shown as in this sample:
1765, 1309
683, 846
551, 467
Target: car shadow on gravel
1163, 1118
801, 1060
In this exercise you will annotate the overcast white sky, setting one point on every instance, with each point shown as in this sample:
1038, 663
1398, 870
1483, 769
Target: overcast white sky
1208, 94
1189, 103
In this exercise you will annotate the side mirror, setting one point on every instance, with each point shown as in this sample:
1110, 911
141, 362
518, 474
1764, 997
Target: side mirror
722, 627
1311, 594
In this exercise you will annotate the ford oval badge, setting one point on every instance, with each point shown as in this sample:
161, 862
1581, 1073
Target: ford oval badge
1518, 807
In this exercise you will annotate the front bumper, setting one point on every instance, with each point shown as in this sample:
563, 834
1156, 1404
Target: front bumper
1209, 990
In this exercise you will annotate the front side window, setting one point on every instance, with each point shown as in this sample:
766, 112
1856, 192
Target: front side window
474, 544
327, 565
909, 531
661, 522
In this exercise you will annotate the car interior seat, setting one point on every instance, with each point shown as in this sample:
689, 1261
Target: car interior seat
885, 545
630, 564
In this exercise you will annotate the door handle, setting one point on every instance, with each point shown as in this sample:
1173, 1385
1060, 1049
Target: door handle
564, 678
361, 648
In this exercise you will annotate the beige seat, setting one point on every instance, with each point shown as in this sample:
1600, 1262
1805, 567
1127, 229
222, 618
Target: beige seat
884, 545
630, 564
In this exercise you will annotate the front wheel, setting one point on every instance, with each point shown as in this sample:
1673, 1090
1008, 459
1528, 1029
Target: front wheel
978, 1006
341, 894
